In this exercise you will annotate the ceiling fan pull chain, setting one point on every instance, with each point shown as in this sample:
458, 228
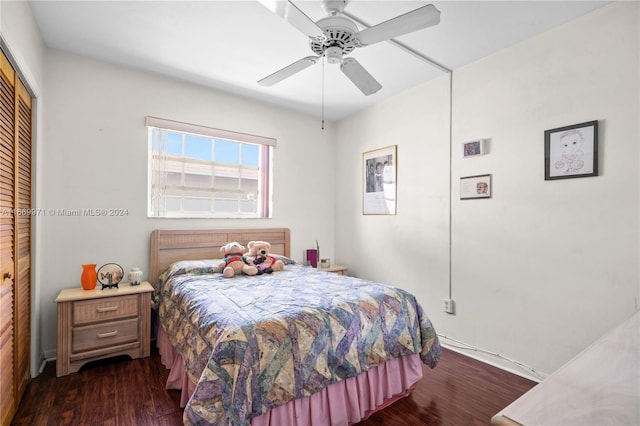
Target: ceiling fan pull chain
322, 59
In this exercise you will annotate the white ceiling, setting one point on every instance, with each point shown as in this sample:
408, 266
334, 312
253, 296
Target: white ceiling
230, 45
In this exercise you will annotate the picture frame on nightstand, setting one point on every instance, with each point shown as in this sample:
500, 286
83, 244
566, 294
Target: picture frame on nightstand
110, 275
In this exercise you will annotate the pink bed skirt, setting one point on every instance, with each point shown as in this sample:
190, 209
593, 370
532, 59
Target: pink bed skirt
340, 404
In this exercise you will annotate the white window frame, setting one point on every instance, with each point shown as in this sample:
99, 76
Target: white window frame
156, 202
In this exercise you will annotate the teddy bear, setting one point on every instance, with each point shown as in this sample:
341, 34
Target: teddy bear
258, 255
234, 263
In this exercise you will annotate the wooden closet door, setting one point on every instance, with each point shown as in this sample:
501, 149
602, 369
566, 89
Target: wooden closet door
15, 239
22, 239
7, 199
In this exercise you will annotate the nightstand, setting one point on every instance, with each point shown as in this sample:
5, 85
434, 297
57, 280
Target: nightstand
336, 269
97, 324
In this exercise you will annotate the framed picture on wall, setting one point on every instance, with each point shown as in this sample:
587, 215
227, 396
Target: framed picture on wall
571, 151
473, 187
473, 148
379, 171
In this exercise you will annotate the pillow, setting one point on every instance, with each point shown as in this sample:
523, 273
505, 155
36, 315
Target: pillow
193, 267
184, 267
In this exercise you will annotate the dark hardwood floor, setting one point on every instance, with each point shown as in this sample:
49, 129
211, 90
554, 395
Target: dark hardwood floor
124, 392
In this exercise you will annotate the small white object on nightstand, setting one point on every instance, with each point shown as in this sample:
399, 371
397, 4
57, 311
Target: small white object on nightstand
135, 276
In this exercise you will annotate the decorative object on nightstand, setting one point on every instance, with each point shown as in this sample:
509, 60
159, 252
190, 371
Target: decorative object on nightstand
312, 257
89, 277
135, 276
110, 274
325, 263
97, 324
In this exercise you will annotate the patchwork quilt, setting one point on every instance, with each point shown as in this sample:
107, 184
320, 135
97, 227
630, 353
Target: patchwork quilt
254, 343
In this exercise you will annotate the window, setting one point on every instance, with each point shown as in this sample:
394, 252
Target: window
197, 171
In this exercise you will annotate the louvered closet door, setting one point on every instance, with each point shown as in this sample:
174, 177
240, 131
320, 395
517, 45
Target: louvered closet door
22, 239
7, 200
15, 239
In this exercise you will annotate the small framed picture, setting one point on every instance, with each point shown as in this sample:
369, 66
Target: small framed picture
473, 148
571, 151
472, 187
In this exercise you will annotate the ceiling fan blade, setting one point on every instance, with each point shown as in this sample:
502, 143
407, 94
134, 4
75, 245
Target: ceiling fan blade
359, 76
424, 17
290, 13
288, 71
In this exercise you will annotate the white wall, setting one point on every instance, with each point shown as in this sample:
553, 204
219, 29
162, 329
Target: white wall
410, 249
518, 291
23, 43
543, 268
96, 157
22, 36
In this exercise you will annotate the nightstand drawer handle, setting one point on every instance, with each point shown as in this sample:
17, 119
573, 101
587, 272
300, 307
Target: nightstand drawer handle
109, 334
108, 309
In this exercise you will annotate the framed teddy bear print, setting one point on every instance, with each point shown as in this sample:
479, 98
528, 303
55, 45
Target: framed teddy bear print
571, 151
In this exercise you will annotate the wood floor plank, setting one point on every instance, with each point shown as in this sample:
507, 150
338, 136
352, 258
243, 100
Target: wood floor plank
125, 392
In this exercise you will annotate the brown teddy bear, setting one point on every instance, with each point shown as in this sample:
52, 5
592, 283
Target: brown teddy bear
258, 256
234, 263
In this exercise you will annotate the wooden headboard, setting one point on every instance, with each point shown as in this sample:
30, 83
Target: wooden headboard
168, 246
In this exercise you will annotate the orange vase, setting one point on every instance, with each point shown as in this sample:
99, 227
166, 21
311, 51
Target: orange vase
89, 277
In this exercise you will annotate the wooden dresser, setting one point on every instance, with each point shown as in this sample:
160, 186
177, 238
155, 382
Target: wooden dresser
97, 324
600, 386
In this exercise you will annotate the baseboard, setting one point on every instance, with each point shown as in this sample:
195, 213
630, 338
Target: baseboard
43, 364
50, 355
45, 357
503, 366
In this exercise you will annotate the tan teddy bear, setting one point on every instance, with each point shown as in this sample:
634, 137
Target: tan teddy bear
258, 255
234, 263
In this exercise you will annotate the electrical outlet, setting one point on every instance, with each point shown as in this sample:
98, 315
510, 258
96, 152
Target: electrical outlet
449, 306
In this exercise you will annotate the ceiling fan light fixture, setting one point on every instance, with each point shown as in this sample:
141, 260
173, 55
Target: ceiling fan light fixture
333, 55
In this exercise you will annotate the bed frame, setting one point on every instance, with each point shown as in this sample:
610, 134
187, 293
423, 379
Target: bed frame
168, 246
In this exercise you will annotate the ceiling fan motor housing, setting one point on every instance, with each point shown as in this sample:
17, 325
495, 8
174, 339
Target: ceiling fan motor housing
339, 39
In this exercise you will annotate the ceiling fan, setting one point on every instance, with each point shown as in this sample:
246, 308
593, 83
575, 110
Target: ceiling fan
336, 36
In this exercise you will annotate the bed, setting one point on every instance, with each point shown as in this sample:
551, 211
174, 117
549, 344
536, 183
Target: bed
295, 347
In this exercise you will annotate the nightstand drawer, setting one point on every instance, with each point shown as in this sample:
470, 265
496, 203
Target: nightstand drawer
88, 311
103, 335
